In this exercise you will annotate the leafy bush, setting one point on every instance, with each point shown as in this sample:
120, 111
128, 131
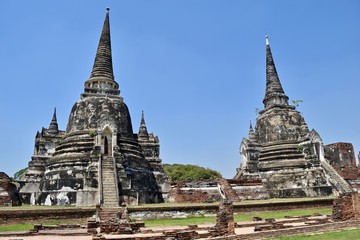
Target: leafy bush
181, 172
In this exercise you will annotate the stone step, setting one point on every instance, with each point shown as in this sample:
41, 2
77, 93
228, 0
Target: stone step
108, 213
109, 183
282, 164
336, 177
282, 157
281, 151
280, 146
111, 197
109, 175
109, 193
109, 180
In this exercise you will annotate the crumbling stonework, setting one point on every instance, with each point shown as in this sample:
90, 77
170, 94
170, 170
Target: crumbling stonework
224, 220
341, 156
346, 207
98, 159
207, 190
228, 192
9, 195
282, 151
189, 195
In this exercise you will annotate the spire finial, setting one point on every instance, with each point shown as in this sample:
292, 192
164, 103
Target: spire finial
267, 39
143, 133
53, 128
251, 133
101, 79
274, 93
142, 118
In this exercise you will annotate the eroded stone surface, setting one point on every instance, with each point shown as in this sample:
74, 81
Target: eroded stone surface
9, 195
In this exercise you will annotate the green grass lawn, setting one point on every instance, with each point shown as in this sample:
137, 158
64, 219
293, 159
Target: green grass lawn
345, 234
17, 227
28, 226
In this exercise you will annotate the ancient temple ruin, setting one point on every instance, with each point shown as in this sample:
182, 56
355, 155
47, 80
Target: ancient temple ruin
98, 159
282, 151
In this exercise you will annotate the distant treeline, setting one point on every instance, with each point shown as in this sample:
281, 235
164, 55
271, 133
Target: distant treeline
181, 172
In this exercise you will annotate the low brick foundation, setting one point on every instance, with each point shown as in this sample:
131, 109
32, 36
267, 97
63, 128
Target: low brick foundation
42, 215
82, 214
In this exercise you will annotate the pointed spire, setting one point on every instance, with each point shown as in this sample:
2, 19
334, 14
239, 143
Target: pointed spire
274, 94
53, 128
143, 133
101, 79
251, 133
103, 60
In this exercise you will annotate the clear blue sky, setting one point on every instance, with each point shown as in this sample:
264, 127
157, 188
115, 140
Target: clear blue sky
196, 68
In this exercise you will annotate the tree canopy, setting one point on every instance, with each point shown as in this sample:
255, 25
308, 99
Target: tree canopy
181, 172
19, 173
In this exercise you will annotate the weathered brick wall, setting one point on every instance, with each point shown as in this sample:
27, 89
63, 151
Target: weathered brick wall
346, 206
341, 156
207, 190
195, 196
43, 215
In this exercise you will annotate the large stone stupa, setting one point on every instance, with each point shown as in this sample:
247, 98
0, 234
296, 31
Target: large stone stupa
98, 159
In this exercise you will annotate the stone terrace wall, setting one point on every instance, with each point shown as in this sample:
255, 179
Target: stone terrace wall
43, 215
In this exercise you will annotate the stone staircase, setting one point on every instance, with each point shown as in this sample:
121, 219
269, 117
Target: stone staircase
340, 184
281, 155
109, 183
108, 213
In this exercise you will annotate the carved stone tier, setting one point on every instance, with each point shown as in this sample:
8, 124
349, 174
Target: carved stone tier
281, 155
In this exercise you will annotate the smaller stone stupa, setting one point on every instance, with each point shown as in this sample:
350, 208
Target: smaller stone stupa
282, 151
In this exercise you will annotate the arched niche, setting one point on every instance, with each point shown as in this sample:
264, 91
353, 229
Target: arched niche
107, 142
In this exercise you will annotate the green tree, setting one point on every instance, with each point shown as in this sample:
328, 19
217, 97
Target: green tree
181, 172
19, 173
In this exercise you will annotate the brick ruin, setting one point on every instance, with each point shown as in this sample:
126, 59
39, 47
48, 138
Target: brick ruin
9, 195
98, 159
207, 191
346, 207
341, 156
289, 159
